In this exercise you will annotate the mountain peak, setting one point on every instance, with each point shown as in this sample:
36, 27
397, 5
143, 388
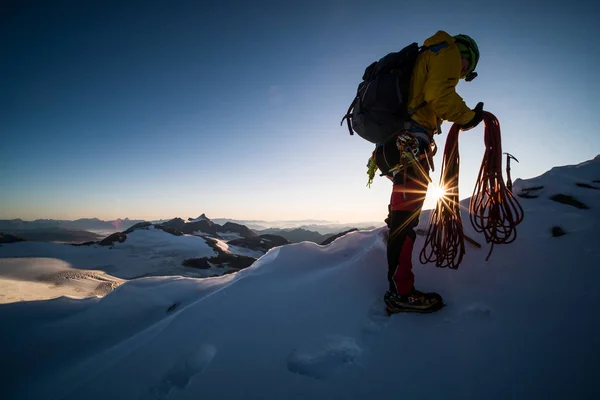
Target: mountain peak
202, 217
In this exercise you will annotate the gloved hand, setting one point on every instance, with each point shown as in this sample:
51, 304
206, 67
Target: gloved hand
478, 110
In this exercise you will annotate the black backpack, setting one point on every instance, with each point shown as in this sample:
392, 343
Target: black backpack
380, 109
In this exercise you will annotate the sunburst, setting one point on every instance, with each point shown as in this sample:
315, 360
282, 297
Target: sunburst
437, 192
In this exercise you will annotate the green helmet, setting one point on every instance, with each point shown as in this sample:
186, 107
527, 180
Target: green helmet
469, 50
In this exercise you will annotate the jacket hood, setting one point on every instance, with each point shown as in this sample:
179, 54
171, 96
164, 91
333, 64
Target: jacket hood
440, 37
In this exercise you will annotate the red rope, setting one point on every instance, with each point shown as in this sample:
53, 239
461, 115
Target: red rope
445, 243
493, 209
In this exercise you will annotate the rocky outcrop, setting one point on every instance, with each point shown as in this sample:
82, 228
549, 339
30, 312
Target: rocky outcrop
297, 235
569, 200
169, 227
339, 235
221, 261
202, 217
172, 231
261, 243
175, 223
200, 225
115, 237
530, 192
241, 230
204, 226
233, 261
6, 238
84, 244
587, 185
178, 227
201, 263
139, 225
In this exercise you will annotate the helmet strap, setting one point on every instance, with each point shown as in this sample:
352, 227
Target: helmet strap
470, 76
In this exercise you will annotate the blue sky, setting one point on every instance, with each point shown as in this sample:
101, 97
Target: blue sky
162, 109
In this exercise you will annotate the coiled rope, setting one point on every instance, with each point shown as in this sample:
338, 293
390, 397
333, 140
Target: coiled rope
493, 210
445, 244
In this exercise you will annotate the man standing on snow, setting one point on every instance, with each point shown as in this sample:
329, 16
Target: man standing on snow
432, 100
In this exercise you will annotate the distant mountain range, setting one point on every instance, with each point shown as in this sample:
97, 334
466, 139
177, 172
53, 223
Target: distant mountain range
83, 224
51, 235
322, 227
51, 230
234, 245
93, 229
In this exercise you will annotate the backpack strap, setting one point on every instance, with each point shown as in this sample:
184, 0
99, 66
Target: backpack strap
413, 110
348, 115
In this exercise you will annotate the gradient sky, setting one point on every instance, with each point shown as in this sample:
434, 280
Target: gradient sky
162, 109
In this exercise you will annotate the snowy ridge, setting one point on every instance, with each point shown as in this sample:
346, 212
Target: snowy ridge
40, 271
306, 321
237, 250
40, 278
160, 242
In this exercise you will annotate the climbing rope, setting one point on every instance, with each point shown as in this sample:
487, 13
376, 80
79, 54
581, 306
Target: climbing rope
445, 243
493, 209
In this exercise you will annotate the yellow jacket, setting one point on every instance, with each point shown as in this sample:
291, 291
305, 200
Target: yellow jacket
434, 80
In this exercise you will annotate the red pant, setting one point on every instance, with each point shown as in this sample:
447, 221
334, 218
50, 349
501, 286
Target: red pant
404, 209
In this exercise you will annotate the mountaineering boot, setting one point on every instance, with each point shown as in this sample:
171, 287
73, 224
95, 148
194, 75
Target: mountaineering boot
415, 301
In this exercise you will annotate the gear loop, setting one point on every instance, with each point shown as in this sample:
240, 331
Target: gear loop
408, 145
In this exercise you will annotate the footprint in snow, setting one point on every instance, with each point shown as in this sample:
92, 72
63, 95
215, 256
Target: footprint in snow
473, 311
325, 358
377, 318
182, 372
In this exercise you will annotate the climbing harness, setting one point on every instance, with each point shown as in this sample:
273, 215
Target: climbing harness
409, 153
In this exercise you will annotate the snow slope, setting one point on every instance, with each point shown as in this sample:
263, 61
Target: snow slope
34, 278
37, 271
306, 321
50, 270
237, 250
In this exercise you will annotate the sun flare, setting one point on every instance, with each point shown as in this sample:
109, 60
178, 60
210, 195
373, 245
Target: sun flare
437, 192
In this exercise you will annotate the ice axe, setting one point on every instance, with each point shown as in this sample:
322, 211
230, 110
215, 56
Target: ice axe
508, 180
